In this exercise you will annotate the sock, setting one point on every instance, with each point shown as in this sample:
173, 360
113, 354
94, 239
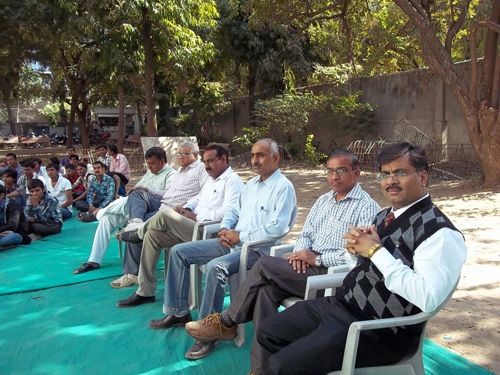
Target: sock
226, 319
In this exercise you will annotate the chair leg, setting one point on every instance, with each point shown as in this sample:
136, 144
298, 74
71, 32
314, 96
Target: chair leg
240, 338
120, 248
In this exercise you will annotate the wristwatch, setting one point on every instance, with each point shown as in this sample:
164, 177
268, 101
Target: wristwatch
317, 261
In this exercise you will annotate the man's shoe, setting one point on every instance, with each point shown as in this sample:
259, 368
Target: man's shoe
131, 236
169, 321
210, 329
124, 281
86, 267
135, 300
199, 350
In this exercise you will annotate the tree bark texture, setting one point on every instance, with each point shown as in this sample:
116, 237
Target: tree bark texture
121, 118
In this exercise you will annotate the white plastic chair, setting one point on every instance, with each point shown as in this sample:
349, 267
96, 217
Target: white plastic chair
411, 364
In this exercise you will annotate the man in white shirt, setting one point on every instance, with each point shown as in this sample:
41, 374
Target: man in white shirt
408, 261
154, 182
264, 211
172, 226
60, 188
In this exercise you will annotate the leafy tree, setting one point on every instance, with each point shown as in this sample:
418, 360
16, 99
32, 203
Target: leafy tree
478, 101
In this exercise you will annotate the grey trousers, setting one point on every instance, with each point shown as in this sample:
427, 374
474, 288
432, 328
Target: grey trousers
164, 230
269, 282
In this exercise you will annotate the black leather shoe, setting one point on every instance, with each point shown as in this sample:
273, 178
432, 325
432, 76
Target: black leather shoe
170, 321
199, 350
131, 236
135, 300
86, 267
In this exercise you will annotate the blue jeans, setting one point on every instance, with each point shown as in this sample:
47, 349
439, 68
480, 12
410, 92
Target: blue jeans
140, 202
220, 264
11, 239
66, 214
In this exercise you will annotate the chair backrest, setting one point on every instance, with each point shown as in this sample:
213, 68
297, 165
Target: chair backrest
412, 363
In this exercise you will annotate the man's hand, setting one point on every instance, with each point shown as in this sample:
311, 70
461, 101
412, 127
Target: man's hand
302, 259
5, 232
359, 240
189, 214
31, 219
229, 238
91, 207
35, 201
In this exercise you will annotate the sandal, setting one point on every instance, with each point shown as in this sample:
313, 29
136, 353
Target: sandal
86, 267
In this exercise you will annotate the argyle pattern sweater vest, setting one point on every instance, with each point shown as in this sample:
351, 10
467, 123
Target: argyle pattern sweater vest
363, 291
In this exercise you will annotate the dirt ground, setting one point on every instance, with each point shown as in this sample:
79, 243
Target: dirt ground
468, 325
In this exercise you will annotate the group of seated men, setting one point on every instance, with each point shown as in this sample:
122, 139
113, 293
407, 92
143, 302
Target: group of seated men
35, 199
403, 259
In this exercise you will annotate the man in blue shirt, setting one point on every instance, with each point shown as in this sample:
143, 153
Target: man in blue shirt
101, 189
264, 211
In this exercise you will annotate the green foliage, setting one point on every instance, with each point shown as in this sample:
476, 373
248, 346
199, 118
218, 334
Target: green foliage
249, 136
291, 118
53, 111
311, 154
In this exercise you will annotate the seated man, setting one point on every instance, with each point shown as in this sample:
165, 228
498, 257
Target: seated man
13, 225
264, 211
119, 166
60, 188
81, 183
155, 182
40, 170
408, 262
9, 178
319, 246
42, 211
185, 184
102, 154
28, 175
11, 160
172, 226
101, 188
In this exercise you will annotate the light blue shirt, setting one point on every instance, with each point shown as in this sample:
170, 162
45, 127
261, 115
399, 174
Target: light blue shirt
329, 220
264, 209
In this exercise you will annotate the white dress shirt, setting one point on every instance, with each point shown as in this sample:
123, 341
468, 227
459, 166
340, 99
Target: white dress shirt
437, 265
216, 196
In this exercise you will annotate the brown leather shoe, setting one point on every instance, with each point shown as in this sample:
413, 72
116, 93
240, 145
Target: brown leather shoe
169, 321
210, 329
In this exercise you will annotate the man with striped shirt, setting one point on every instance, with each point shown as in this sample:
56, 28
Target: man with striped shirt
319, 246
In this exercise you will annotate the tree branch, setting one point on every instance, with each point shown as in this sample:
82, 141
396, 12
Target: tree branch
456, 25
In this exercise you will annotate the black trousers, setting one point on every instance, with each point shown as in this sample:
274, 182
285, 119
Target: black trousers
44, 229
310, 336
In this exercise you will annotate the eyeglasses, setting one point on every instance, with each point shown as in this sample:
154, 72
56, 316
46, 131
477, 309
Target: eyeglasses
339, 171
399, 173
183, 154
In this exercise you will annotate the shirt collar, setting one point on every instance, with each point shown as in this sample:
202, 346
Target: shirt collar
271, 178
194, 164
355, 193
225, 174
401, 210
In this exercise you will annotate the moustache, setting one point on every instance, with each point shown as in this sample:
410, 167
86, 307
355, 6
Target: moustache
392, 187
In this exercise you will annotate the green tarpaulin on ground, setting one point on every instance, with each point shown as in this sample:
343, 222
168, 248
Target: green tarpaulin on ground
54, 322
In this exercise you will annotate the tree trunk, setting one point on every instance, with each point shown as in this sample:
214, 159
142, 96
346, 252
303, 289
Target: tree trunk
71, 123
121, 118
252, 84
139, 116
147, 41
11, 117
81, 114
